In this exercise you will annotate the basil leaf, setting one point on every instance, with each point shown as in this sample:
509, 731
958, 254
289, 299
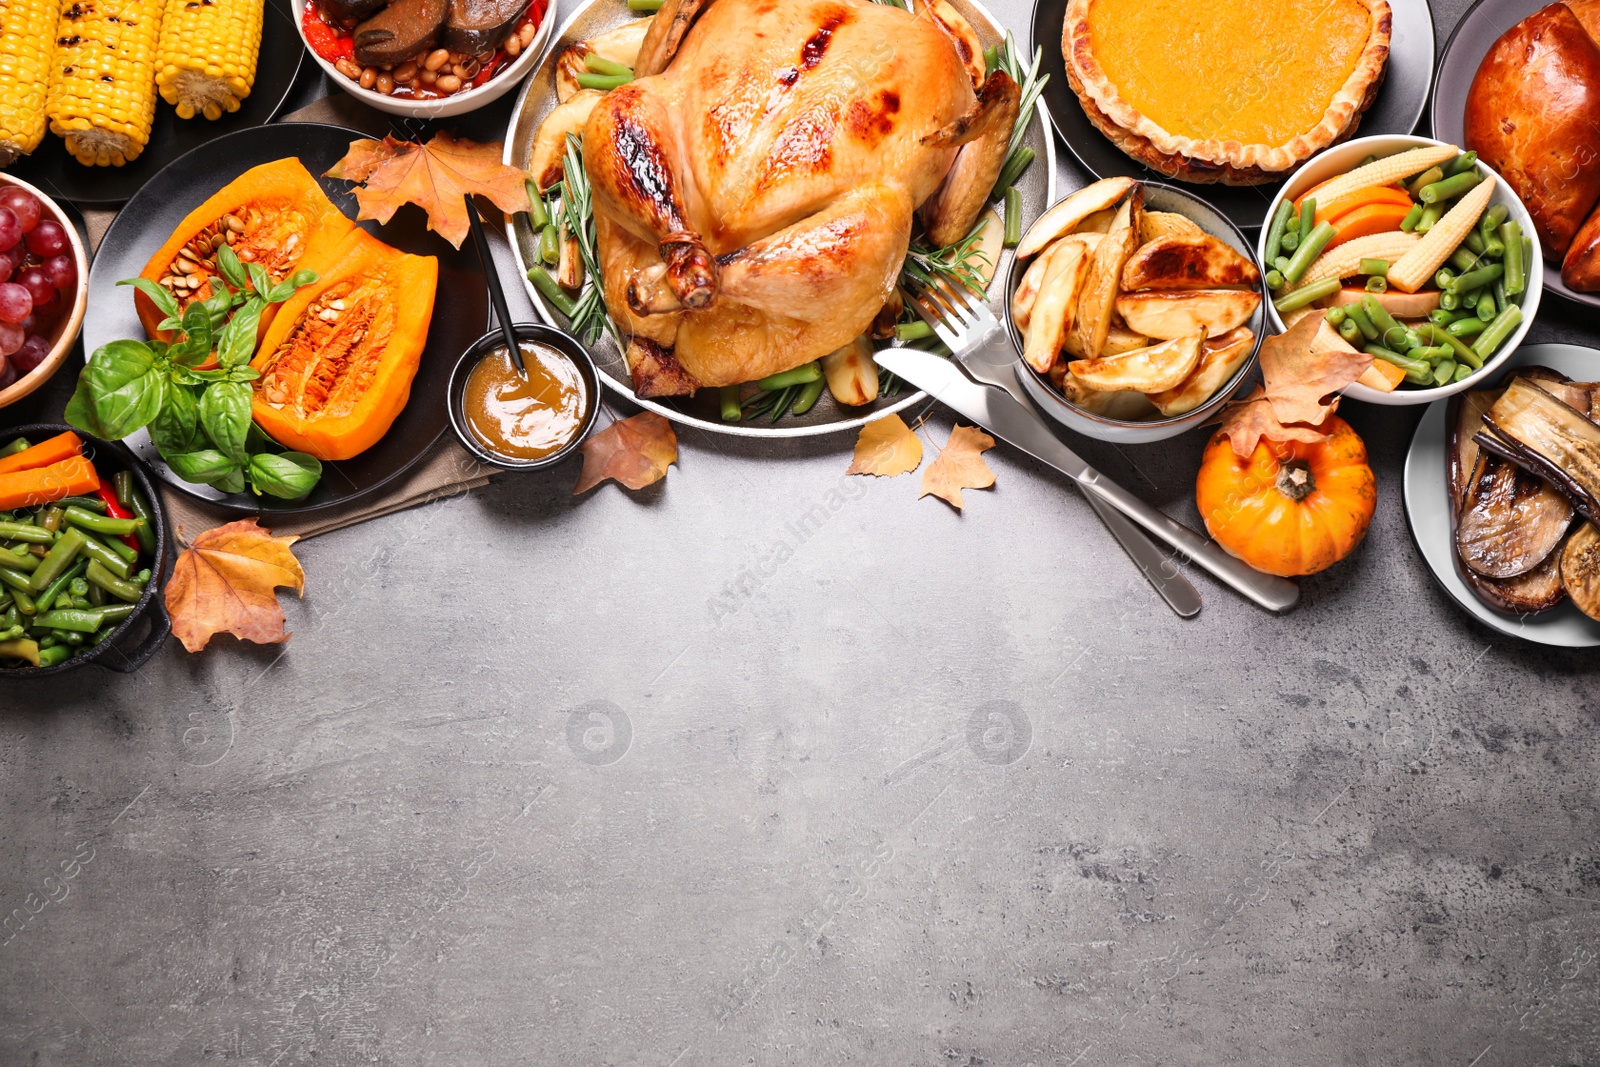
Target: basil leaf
260, 280
127, 386
285, 289
80, 409
164, 301
233, 482
218, 304
257, 441
244, 373
225, 417
233, 270
177, 428
237, 342
195, 348
207, 466
287, 476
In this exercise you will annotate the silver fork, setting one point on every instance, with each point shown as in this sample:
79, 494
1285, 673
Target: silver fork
991, 394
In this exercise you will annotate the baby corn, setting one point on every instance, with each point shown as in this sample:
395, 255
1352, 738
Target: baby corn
206, 58
1345, 260
1413, 270
102, 94
1383, 172
27, 38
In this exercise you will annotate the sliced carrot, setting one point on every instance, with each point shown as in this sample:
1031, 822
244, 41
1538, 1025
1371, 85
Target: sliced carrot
44, 453
1366, 221
1380, 194
72, 476
1382, 376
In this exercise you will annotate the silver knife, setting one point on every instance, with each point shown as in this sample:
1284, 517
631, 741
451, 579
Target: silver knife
1155, 563
1007, 418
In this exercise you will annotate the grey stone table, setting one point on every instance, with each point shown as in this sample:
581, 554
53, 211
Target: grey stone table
764, 765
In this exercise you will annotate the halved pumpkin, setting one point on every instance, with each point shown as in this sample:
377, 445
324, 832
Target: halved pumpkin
275, 215
337, 363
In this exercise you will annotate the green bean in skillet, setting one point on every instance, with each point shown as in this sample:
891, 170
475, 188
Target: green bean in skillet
61, 554
19, 445
120, 588
101, 524
61, 585
96, 549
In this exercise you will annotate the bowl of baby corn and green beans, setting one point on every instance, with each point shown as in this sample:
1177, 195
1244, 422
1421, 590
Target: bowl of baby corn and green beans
1411, 250
83, 545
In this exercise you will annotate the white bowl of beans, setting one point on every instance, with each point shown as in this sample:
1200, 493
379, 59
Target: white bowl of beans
434, 83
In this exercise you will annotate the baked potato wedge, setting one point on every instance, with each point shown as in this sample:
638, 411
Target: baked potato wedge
1188, 262
1171, 314
1144, 370
1105, 272
1056, 305
550, 142
620, 45
1065, 216
1028, 285
1118, 340
1220, 358
961, 33
1167, 224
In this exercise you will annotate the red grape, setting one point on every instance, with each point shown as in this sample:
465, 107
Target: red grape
10, 229
10, 338
61, 271
7, 265
15, 302
8, 374
23, 204
31, 354
33, 324
48, 239
38, 285
44, 314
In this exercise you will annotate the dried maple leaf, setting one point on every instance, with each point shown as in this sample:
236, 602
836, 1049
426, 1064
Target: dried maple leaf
434, 176
960, 466
1247, 421
635, 452
1299, 373
886, 447
224, 583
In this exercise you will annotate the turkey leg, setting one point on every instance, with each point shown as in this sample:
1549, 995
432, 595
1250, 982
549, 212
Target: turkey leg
983, 134
628, 153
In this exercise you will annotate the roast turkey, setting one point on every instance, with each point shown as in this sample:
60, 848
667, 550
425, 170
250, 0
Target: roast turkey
755, 186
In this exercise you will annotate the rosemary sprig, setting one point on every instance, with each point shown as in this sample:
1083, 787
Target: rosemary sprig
589, 318
1032, 84
959, 262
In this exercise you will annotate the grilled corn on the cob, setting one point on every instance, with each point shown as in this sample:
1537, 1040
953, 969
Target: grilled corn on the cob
206, 58
27, 37
102, 94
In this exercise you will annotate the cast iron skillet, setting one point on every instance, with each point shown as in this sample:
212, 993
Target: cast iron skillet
109, 458
460, 315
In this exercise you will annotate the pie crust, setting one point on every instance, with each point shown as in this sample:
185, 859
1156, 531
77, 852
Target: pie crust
1227, 161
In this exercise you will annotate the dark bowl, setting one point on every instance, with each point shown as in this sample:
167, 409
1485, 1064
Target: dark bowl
108, 459
541, 334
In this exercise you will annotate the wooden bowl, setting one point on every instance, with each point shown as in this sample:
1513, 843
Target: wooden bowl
66, 328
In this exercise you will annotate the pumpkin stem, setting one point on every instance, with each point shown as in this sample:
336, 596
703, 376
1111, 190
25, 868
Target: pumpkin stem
1295, 481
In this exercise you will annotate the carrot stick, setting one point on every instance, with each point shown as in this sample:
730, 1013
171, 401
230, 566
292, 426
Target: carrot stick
44, 453
72, 476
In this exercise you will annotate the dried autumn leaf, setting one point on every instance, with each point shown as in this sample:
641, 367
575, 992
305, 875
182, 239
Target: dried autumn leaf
635, 451
886, 447
1299, 373
225, 582
960, 466
1247, 421
434, 176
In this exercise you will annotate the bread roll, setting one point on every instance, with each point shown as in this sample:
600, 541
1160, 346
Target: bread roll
1532, 114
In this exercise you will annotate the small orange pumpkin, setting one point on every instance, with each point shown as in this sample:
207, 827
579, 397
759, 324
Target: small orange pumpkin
1292, 508
337, 362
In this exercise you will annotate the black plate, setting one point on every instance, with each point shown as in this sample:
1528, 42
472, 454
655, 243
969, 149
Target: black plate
461, 311
57, 173
1478, 29
1398, 109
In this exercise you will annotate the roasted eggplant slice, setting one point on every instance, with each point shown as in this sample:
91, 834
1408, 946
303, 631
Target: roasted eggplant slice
1580, 570
1534, 429
1510, 520
1539, 589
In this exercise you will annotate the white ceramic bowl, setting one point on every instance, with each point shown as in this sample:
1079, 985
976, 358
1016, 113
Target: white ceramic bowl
1347, 157
66, 328
455, 104
1158, 196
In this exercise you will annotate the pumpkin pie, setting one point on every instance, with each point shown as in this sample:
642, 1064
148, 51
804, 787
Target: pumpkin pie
1231, 92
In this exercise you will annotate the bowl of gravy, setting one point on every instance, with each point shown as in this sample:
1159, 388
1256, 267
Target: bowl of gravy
517, 422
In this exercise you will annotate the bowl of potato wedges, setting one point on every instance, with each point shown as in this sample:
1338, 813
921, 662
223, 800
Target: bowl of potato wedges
1138, 310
